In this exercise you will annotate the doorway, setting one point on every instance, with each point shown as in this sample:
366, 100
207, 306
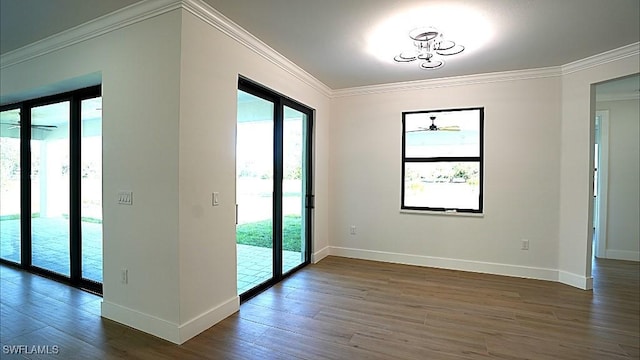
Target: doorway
616, 169
274, 200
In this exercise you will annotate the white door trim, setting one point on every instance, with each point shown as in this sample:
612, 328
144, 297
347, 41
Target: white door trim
603, 185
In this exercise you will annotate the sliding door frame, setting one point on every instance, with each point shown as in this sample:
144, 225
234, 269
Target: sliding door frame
75, 99
280, 101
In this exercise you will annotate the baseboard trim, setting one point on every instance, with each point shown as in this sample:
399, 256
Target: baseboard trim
144, 322
448, 263
177, 334
575, 280
622, 255
206, 320
320, 254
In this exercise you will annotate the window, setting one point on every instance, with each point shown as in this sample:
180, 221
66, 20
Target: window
442, 160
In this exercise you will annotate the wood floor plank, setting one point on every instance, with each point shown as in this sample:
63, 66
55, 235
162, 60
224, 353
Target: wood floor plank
511, 346
56, 343
307, 347
15, 324
355, 309
297, 324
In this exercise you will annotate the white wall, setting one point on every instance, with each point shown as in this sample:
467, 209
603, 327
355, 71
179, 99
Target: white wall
576, 175
168, 135
538, 171
208, 90
169, 115
140, 79
623, 202
521, 184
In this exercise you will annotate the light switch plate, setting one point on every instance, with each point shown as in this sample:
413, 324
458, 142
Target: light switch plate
215, 199
125, 197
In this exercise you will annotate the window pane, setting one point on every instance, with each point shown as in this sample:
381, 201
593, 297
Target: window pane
457, 134
10, 185
50, 187
91, 188
448, 185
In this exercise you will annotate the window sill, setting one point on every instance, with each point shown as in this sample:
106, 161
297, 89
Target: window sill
442, 213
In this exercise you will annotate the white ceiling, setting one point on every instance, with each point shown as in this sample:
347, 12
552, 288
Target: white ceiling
331, 39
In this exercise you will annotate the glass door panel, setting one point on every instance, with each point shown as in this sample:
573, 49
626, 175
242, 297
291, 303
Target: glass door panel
254, 190
91, 188
293, 189
10, 185
50, 187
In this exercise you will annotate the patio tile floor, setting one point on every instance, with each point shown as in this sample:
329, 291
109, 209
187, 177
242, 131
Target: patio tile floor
51, 251
255, 265
50, 245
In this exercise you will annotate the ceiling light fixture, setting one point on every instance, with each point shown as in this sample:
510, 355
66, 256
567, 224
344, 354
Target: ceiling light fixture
428, 44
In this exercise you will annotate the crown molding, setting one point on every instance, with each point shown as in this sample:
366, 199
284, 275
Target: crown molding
602, 58
143, 10
213, 17
118, 19
451, 81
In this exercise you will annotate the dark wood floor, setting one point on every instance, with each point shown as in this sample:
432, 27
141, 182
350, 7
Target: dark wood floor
353, 309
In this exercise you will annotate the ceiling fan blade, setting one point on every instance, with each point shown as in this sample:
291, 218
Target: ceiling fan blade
44, 126
11, 125
35, 126
418, 129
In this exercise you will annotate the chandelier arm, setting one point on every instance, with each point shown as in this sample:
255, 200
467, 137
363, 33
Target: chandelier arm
431, 65
453, 51
429, 42
445, 45
401, 58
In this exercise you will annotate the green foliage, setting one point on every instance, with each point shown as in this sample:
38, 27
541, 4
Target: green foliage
294, 173
460, 172
85, 219
17, 216
416, 186
259, 233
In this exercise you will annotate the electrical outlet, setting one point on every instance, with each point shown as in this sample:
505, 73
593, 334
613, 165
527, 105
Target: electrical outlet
352, 230
124, 276
524, 244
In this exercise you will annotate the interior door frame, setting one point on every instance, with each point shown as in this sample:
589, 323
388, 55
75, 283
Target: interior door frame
602, 161
280, 101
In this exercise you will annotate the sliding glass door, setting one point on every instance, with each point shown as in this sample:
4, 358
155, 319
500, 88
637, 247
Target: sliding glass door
51, 186
254, 191
273, 187
91, 188
10, 247
50, 245
294, 191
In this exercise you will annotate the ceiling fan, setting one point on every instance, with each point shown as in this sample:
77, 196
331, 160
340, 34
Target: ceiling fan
433, 127
16, 125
